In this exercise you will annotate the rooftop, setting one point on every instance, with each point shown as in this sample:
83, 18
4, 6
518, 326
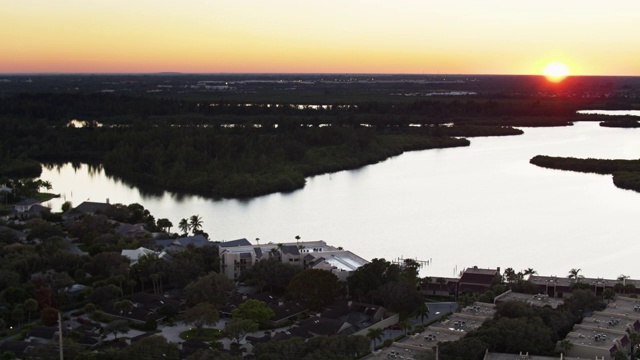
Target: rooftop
459, 323
525, 356
601, 320
565, 281
482, 310
599, 338
540, 300
624, 306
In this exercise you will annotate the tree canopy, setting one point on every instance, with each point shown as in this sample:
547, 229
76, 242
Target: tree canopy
315, 286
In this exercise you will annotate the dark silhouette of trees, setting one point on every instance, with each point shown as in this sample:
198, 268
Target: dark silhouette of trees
315, 286
213, 288
270, 274
195, 223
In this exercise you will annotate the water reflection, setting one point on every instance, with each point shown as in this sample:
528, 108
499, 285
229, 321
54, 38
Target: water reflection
481, 205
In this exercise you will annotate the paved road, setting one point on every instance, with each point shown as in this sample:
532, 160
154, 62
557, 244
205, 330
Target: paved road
435, 310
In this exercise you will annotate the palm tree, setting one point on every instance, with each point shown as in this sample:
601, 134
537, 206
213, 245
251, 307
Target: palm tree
258, 241
183, 225
195, 223
119, 279
155, 278
566, 345
405, 325
422, 311
374, 335
623, 278
530, 271
30, 306
573, 274
44, 184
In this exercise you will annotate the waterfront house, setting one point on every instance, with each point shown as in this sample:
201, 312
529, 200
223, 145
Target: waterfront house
28, 208
239, 255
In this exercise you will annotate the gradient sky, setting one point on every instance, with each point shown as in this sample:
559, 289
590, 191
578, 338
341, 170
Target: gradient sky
336, 36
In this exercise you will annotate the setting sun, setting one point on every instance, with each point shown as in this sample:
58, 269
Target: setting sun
555, 72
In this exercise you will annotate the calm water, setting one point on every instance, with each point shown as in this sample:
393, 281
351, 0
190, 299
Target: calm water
482, 205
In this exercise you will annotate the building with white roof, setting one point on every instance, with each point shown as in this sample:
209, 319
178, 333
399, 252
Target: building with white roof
238, 256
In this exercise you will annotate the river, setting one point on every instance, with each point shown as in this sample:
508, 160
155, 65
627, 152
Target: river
482, 205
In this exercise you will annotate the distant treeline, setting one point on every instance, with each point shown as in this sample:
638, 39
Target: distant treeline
219, 162
124, 109
621, 123
227, 148
626, 173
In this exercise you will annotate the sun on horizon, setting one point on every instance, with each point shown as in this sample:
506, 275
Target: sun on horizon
555, 72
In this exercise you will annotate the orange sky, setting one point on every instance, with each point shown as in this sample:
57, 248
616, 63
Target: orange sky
337, 36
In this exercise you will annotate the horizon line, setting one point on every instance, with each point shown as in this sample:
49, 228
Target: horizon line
284, 73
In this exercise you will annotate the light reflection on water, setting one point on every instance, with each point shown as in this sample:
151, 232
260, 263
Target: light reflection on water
481, 205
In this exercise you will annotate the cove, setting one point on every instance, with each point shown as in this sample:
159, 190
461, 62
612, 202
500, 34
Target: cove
481, 205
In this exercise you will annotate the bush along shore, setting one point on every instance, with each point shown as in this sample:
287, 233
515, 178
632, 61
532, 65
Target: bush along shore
626, 173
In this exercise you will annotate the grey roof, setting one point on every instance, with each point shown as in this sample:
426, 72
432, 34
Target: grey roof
28, 202
197, 240
290, 249
163, 243
37, 209
89, 207
234, 243
318, 326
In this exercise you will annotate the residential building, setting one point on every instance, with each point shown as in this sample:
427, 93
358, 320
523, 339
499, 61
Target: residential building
563, 286
476, 280
28, 208
239, 255
134, 255
439, 286
605, 332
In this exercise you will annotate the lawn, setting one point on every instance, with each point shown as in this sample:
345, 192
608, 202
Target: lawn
204, 335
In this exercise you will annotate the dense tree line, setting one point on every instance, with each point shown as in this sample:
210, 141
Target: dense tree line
229, 149
106, 107
338, 347
626, 173
627, 122
222, 162
391, 285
